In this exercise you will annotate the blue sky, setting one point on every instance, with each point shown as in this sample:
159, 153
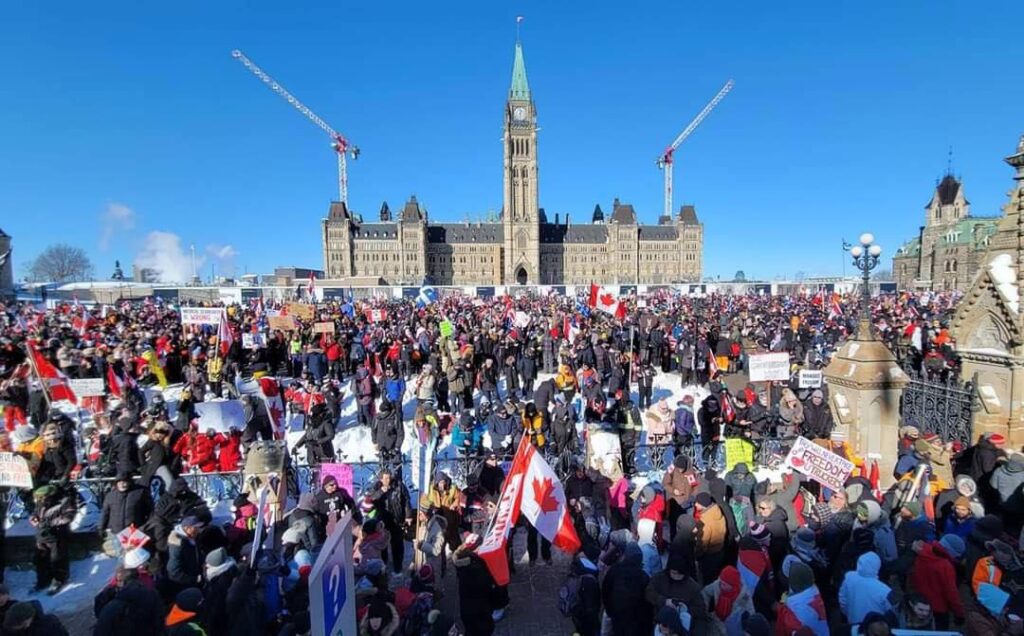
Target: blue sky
120, 119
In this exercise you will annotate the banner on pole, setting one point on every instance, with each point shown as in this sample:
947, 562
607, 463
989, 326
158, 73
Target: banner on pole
769, 367
821, 465
201, 315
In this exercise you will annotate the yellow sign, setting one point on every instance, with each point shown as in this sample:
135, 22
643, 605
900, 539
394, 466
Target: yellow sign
738, 450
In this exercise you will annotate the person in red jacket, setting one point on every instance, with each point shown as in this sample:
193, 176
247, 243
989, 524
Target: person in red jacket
652, 506
230, 454
933, 575
197, 450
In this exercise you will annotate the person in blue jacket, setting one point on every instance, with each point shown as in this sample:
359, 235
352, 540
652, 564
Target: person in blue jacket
394, 387
468, 436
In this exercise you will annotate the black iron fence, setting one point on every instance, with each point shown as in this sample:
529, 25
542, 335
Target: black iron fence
945, 407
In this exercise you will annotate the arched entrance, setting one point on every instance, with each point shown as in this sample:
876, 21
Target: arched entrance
521, 276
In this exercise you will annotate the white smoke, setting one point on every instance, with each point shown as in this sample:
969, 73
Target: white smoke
116, 218
162, 253
223, 257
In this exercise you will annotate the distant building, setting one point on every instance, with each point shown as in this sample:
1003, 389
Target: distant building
6, 266
951, 245
524, 247
145, 275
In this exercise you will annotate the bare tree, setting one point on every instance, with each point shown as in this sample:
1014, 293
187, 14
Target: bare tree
60, 263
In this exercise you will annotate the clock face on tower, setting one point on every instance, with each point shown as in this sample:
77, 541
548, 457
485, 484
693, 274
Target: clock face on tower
519, 114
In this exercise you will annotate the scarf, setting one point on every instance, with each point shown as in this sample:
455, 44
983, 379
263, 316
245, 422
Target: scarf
728, 591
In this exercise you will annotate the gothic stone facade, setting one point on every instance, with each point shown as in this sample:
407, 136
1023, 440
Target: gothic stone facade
949, 248
523, 247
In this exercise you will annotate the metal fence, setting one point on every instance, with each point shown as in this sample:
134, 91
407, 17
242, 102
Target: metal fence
944, 407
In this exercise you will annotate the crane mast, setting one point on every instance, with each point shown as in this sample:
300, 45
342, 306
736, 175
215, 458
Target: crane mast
665, 160
339, 143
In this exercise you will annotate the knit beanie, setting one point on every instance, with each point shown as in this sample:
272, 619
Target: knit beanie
756, 625
801, 577
914, 508
954, 545
760, 533
669, 617
703, 500
216, 558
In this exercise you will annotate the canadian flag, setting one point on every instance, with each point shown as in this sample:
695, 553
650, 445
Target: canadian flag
606, 301
52, 377
376, 315
116, 385
270, 393
224, 335
570, 330
533, 490
834, 309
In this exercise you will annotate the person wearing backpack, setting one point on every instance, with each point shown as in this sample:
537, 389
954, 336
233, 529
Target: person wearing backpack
579, 598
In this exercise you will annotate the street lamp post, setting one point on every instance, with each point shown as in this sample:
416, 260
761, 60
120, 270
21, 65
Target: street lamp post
865, 258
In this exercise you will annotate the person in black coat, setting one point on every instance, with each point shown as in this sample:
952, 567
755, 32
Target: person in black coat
391, 499
491, 476
131, 609
527, 366
623, 594
27, 618
388, 431
124, 505
124, 448
184, 567
58, 458
710, 421
319, 436
333, 500
175, 504
477, 591
220, 572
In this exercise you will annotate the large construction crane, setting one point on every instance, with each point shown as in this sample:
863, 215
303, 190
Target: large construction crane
665, 160
341, 145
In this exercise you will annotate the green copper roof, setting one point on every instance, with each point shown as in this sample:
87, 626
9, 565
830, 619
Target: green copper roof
520, 88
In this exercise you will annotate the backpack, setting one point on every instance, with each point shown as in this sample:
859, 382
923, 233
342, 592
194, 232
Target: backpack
569, 593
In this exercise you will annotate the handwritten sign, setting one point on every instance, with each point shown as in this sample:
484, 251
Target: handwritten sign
447, 329
14, 472
769, 367
341, 472
284, 323
301, 311
323, 327
88, 387
738, 451
810, 379
823, 466
201, 315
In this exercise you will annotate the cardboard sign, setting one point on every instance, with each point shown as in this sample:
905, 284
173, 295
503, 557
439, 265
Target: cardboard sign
738, 451
323, 327
220, 415
201, 315
769, 367
810, 379
89, 387
447, 329
283, 323
14, 471
301, 311
341, 472
823, 466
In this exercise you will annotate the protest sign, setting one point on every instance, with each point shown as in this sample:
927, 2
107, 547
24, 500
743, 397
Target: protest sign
810, 379
284, 323
604, 452
87, 387
220, 415
252, 341
201, 315
521, 319
738, 450
14, 471
323, 327
341, 472
447, 329
301, 311
769, 367
821, 465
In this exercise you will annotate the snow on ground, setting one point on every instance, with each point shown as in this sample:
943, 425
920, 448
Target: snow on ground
88, 577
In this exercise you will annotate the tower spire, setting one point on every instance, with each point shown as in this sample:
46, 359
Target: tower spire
520, 87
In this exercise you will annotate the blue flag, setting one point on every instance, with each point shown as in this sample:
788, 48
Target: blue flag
427, 296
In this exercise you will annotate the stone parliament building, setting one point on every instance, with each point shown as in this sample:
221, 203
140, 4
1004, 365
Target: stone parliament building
524, 247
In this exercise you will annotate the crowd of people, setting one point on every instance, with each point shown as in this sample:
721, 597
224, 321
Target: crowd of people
694, 551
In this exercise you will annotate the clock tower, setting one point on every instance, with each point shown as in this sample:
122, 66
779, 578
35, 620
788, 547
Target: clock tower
520, 212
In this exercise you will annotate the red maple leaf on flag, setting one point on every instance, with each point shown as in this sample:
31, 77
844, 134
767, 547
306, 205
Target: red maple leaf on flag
542, 490
607, 300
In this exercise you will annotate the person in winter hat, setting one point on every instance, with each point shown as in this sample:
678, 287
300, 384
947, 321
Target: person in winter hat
679, 482
186, 616
622, 595
803, 607
862, 593
933, 576
29, 619
669, 622
869, 515
729, 600
586, 614
960, 520
381, 619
